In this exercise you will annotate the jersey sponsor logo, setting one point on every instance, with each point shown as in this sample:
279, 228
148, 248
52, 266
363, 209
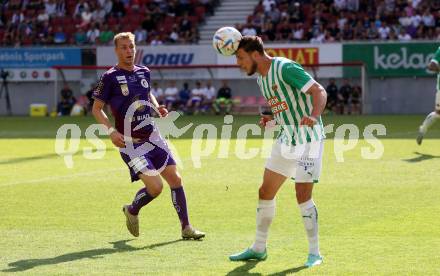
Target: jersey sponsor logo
121, 79
124, 89
276, 106
140, 75
132, 78
144, 83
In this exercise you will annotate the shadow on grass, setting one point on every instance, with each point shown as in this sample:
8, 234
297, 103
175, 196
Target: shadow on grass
118, 247
45, 156
421, 157
244, 269
289, 271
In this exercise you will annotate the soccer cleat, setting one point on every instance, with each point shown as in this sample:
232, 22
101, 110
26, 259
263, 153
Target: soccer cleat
419, 138
132, 221
313, 260
191, 233
249, 254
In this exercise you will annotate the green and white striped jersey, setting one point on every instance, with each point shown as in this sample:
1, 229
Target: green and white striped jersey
284, 88
436, 59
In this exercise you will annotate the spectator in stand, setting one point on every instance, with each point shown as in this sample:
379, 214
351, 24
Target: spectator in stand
174, 35
196, 99
60, 8
93, 34
140, 35
284, 30
98, 15
332, 95
384, 30
44, 35
156, 40
171, 94
59, 36
118, 9
64, 107
208, 97
184, 96
267, 4
42, 16
106, 36
224, 99
298, 32
355, 100
343, 96
249, 30
403, 35
80, 37
157, 92
80, 7
51, 7
268, 31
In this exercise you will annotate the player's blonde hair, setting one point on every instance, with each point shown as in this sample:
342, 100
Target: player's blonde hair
123, 35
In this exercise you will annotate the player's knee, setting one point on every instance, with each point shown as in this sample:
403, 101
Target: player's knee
302, 195
155, 189
265, 194
175, 180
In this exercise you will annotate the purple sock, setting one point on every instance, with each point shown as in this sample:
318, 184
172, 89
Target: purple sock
179, 202
141, 199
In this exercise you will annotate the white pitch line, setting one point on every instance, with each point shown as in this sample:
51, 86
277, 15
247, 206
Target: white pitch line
61, 177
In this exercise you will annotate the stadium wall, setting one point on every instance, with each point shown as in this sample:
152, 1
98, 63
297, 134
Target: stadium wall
396, 71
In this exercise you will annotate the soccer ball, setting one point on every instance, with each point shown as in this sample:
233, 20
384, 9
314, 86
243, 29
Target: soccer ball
226, 40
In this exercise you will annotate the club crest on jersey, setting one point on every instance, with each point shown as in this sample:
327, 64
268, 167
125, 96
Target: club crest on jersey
144, 83
124, 89
274, 87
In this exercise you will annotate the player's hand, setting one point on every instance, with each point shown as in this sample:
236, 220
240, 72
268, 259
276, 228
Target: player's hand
117, 139
163, 111
309, 121
266, 121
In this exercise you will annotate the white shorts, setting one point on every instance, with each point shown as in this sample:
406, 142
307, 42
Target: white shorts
437, 101
302, 163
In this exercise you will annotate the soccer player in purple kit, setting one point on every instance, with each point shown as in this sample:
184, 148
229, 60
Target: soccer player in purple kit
126, 89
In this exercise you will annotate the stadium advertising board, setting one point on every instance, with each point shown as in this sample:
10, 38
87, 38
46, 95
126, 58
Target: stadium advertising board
305, 54
162, 55
392, 59
166, 56
39, 57
30, 74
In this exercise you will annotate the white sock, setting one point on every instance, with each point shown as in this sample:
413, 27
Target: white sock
310, 219
265, 214
429, 121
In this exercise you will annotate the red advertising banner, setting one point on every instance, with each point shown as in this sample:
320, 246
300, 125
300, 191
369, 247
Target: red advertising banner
304, 56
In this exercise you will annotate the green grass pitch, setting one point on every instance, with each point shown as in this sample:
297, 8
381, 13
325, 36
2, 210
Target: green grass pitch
377, 217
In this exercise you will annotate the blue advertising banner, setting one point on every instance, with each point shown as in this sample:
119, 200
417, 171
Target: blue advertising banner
39, 57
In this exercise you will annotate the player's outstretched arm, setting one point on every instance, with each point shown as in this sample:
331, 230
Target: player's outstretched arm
319, 99
100, 116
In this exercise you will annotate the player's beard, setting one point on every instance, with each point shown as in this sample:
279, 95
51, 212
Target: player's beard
253, 68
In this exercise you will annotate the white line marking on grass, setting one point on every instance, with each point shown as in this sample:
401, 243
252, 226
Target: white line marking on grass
62, 177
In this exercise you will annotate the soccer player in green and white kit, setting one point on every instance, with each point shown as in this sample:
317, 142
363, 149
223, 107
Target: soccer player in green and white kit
435, 115
297, 102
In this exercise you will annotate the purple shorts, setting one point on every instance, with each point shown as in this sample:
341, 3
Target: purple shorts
148, 158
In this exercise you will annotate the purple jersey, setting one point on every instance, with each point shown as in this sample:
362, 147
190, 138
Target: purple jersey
120, 88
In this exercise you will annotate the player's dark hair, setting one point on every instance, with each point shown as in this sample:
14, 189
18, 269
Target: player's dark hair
250, 43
